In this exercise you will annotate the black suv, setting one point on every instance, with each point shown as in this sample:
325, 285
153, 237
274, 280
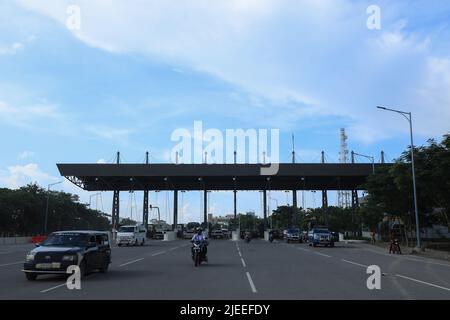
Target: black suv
90, 250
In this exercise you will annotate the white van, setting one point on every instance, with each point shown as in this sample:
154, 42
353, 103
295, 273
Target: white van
134, 235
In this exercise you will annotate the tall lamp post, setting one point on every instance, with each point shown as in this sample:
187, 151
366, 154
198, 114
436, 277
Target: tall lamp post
408, 116
46, 206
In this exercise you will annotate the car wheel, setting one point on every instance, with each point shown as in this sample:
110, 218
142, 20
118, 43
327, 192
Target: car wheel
119, 244
83, 269
31, 276
136, 242
310, 244
104, 268
143, 242
314, 245
332, 244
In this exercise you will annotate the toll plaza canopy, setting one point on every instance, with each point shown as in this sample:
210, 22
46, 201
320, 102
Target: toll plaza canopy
301, 176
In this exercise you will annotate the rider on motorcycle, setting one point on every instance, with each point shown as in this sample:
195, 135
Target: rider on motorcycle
199, 237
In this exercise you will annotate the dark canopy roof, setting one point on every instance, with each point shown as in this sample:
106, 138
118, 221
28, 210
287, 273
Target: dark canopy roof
126, 177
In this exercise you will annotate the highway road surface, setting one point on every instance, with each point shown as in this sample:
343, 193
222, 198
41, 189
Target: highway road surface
237, 270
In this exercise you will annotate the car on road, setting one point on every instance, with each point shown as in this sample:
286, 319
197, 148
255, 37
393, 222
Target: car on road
226, 233
159, 235
293, 235
132, 234
188, 234
320, 236
90, 250
217, 234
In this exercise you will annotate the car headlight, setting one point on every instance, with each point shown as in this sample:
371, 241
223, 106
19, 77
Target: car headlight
30, 256
69, 258
316, 236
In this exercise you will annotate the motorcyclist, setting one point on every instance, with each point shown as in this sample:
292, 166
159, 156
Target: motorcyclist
247, 236
271, 235
199, 237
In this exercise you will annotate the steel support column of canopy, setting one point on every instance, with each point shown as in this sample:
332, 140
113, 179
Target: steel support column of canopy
205, 208
115, 210
265, 208
175, 209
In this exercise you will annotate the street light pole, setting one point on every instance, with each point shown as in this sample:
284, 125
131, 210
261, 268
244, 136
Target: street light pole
408, 116
46, 206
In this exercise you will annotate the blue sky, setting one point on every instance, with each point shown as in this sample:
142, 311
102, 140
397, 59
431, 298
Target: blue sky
133, 73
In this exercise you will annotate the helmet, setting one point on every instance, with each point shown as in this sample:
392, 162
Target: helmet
199, 230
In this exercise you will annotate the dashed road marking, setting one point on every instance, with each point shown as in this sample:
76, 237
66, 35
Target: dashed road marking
323, 254
130, 262
423, 282
52, 288
158, 253
355, 263
243, 263
252, 285
10, 264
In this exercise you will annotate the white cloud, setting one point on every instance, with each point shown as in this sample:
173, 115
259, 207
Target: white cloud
11, 49
101, 161
27, 115
19, 175
25, 155
107, 132
306, 57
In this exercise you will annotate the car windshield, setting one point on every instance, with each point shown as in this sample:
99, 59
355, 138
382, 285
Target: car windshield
321, 231
126, 229
294, 231
66, 239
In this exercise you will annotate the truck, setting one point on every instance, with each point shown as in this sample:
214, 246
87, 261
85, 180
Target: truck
131, 235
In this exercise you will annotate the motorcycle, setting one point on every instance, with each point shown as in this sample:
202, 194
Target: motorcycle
247, 238
270, 238
198, 253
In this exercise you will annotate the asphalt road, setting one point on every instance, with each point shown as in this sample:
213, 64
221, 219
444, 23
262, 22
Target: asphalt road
237, 270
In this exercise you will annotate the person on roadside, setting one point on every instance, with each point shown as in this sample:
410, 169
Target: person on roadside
372, 239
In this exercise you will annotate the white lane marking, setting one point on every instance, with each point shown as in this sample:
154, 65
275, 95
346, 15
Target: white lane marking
240, 255
158, 253
130, 262
303, 249
52, 288
355, 263
174, 248
322, 254
252, 285
243, 263
10, 264
424, 260
423, 282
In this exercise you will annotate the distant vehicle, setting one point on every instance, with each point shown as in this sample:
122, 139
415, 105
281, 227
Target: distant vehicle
90, 250
159, 235
320, 236
293, 235
277, 234
133, 235
188, 234
226, 233
217, 234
